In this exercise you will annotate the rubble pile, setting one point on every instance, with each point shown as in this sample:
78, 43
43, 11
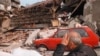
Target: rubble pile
11, 38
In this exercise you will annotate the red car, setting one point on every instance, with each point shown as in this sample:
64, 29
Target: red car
88, 37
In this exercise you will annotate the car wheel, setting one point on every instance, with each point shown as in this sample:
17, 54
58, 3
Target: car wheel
42, 48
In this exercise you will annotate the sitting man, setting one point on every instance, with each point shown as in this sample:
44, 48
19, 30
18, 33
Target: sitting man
73, 42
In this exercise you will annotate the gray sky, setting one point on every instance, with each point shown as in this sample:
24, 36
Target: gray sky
29, 2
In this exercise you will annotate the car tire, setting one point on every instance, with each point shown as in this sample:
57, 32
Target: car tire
42, 48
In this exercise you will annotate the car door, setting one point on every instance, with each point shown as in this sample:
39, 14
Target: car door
56, 39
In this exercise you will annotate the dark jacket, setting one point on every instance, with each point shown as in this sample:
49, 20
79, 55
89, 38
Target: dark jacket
81, 50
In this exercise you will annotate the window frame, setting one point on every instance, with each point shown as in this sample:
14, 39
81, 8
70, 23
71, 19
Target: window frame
85, 32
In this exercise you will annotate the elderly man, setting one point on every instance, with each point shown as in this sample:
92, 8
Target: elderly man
73, 42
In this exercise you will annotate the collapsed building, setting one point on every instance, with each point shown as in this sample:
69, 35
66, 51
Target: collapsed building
43, 12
